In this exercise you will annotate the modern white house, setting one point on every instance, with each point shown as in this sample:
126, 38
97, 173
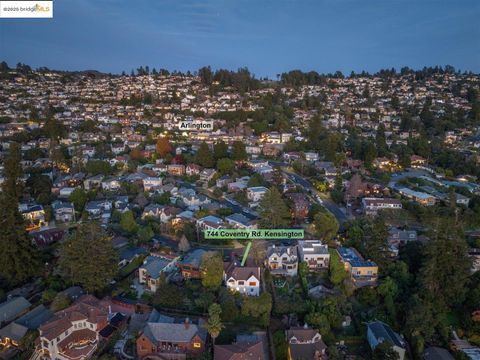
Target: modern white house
242, 279
314, 253
256, 193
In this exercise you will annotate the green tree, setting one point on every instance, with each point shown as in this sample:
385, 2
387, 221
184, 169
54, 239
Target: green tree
145, 234
79, 198
220, 150
128, 223
225, 166
326, 226
88, 258
385, 351
214, 324
238, 151
212, 270
258, 307
272, 210
376, 243
204, 156
318, 321
447, 265
18, 259
337, 271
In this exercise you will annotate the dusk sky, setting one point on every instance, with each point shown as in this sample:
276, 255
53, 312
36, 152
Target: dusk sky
268, 37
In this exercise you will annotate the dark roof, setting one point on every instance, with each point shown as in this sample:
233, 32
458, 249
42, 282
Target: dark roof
384, 332
436, 353
12, 308
239, 351
107, 331
36, 317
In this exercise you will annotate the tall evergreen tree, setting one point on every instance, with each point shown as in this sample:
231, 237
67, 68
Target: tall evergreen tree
220, 150
447, 266
204, 156
238, 151
272, 210
88, 258
18, 258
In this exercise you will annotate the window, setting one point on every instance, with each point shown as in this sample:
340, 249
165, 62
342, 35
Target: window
252, 283
241, 282
197, 345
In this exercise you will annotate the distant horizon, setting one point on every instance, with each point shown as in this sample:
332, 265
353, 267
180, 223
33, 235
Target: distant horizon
194, 71
268, 37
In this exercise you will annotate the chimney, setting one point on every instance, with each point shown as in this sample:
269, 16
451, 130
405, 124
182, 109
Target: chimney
187, 323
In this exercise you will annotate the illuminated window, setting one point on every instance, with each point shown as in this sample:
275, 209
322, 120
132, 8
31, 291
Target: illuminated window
197, 345
253, 283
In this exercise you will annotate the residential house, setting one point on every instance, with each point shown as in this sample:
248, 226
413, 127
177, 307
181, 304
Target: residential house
193, 169
418, 196
311, 156
362, 272
176, 169
300, 204
74, 333
112, 184
240, 221
12, 309
93, 182
150, 271
63, 211
206, 175
242, 279
245, 347
378, 332
305, 343
152, 183
371, 206
13, 333
314, 253
282, 260
256, 193
152, 211
210, 222
45, 237
191, 263
97, 209
169, 338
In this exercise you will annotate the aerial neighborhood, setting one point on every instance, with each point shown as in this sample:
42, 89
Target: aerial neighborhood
112, 183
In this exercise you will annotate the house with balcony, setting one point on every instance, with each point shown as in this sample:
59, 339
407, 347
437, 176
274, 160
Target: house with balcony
150, 271
371, 206
165, 337
63, 211
362, 272
314, 253
256, 193
282, 260
74, 333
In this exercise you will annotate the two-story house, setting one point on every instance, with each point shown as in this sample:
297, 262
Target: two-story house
150, 271
242, 279
314, 253
362, 272
282, 260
